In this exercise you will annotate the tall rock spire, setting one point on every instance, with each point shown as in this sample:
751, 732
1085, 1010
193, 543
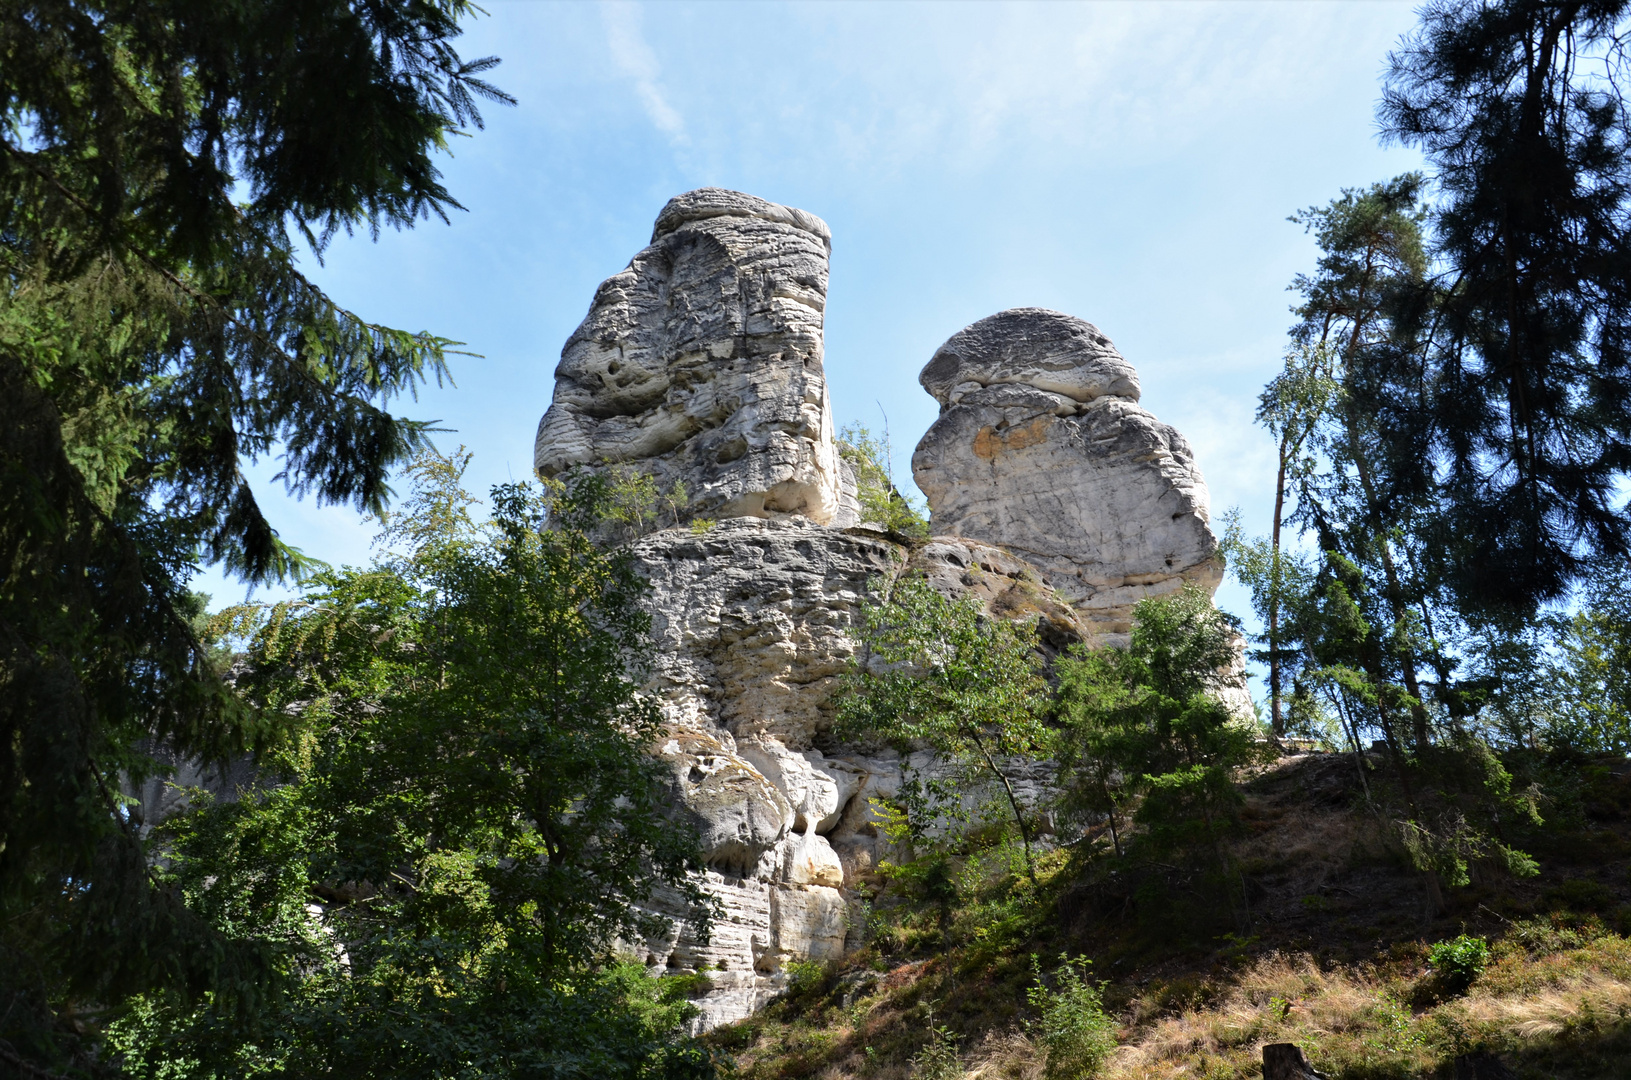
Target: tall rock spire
702, 361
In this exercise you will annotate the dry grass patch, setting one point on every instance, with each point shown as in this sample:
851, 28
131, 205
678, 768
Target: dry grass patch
1563, 1015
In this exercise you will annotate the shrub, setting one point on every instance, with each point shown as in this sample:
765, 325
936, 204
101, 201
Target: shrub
804, 976
1071, 1024
882, 504
1459, 961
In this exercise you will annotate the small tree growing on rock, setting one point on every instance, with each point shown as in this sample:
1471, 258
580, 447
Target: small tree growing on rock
881, 502
939, 672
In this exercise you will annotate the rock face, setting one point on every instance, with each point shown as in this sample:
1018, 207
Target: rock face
702, 362
753, 621
1056, 499
1042, 449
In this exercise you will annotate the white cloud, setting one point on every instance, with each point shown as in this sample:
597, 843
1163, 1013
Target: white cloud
635, 59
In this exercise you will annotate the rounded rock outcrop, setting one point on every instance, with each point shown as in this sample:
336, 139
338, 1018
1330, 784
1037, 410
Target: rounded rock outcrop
1057, 500
701, 362
1031, 347
1042, 449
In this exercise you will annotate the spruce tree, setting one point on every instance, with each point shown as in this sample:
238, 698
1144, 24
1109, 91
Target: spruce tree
159, 162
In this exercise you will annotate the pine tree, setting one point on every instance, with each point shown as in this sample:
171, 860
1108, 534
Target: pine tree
1514, 417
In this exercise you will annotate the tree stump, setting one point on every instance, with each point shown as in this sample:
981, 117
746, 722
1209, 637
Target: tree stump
1482, 1065
1285, 1061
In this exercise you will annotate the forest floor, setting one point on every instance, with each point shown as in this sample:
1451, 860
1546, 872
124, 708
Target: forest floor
1322, 940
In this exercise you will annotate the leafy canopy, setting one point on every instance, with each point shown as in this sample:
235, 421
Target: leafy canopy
1145, 726
468, 816
940, 672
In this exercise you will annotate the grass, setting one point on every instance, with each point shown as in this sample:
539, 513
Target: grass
1327, 947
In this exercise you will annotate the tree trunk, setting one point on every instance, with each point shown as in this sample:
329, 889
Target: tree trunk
1115, 837
1277, 722
1285, 1061
1013, 801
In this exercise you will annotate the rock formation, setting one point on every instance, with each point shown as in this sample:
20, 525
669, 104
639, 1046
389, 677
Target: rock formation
753, 622
701, 364
1042, 448
702, 361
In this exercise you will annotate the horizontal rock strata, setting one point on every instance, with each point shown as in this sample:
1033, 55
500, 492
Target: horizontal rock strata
701, 361
1056, 500
754, 623
1042, 449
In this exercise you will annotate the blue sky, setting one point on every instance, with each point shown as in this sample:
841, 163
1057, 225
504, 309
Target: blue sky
1132, 164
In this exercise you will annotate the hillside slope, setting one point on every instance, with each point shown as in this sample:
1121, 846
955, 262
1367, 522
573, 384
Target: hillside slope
1326, 945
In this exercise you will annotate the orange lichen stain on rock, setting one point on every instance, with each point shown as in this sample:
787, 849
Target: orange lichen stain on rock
990, 442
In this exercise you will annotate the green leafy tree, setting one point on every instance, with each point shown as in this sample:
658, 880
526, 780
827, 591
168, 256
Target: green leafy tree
1374, 632
881, 502
1589, 672
1292, 407
466, 816
1363, 302
938, 672
1145, 726
158, 162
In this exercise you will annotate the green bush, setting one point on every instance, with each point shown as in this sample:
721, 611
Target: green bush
1072, 1025
804, 976
1459, 961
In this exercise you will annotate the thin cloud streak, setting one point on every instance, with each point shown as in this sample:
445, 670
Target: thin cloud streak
635, 59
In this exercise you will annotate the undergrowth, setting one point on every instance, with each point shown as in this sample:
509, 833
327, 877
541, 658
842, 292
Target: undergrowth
1319, 939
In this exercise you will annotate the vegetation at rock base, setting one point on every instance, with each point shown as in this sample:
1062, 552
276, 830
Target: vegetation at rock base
1144, 727
1338, 957
935, 672
460, 821
1440, 597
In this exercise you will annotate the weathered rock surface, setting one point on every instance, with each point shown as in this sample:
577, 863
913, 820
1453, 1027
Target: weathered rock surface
702, 361
754, 624
1042, 449
1056, 499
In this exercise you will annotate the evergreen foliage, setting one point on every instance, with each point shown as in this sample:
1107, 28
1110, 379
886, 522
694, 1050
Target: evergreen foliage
1511, 422
158, 160
1144, 727
465, 816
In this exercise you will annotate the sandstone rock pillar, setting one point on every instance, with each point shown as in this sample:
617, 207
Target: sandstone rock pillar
701, 361
1042, 448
